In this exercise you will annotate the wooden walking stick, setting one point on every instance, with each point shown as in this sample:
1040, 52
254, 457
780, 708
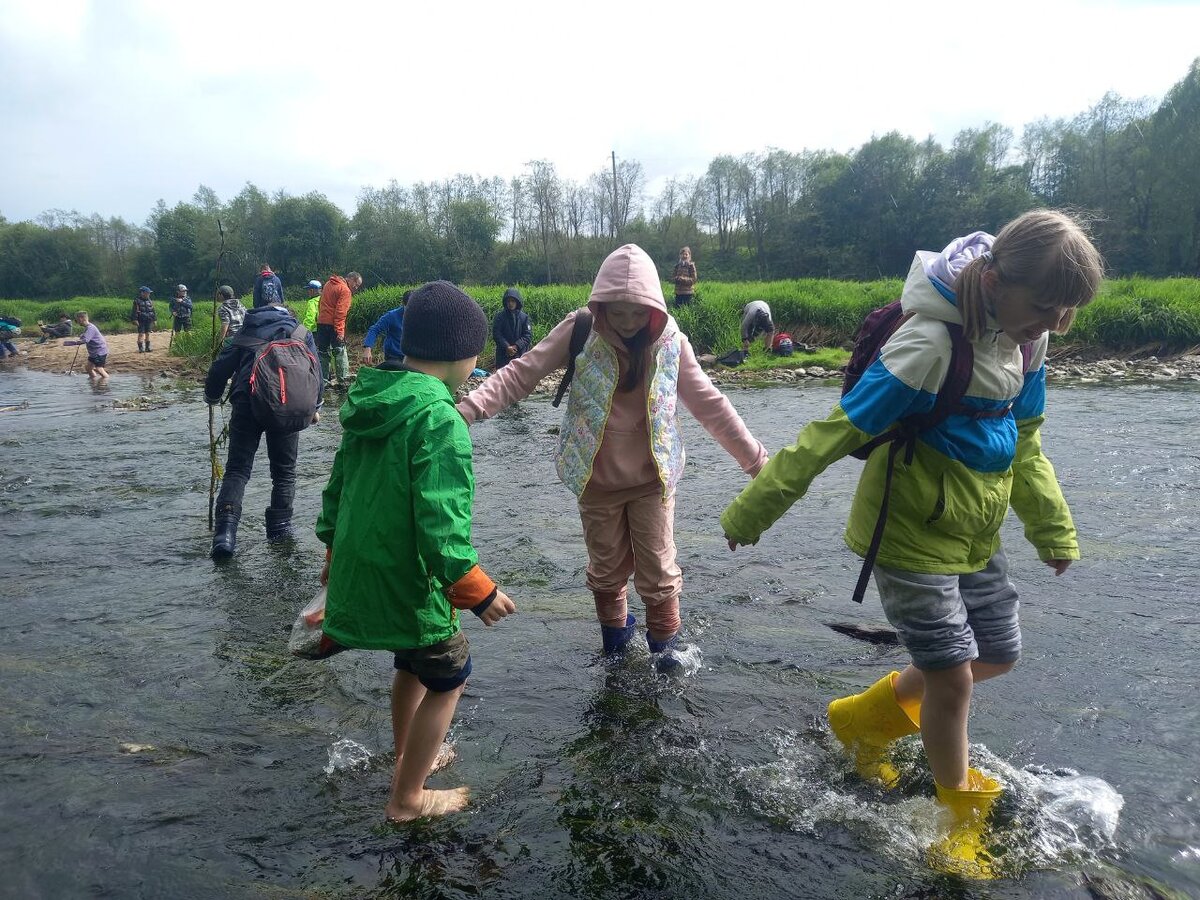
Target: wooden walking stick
213, 439
71, 371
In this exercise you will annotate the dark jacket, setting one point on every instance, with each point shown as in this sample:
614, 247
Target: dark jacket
58, 330
266, 323
143, 310
273, 284
181, 308
511, 327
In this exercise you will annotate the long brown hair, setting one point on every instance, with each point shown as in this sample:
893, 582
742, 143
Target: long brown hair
1043, 250
639, 353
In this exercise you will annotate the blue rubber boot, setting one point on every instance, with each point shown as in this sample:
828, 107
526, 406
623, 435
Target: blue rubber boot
616, 639
279, 525
666, 653
224, 543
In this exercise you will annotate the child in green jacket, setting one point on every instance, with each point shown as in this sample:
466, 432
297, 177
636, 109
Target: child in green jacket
396, 519
941, 573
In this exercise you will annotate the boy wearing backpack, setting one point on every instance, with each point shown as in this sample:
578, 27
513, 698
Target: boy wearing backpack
276, 391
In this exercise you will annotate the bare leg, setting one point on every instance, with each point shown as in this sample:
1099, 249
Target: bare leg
407, 694
101, 372
423, 735
910, 686
944, 711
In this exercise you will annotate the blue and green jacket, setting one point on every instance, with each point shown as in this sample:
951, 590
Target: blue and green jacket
947, 505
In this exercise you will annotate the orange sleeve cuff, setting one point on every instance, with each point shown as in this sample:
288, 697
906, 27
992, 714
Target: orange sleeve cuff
470, 590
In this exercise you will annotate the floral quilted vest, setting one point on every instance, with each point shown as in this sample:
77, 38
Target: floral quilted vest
590, 402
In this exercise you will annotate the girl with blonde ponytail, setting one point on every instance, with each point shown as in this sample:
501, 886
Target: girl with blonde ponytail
941, 573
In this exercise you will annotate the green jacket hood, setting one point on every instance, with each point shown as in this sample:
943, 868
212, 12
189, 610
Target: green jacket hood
382, 400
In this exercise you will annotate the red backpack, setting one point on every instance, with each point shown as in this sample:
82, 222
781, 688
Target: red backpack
285, 381
875, 331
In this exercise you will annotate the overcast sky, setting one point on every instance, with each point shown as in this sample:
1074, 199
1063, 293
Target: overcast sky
109, 106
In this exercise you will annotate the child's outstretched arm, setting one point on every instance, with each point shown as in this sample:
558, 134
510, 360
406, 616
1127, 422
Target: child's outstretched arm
517, 379
1036, 496
785, 479
443, 491
903, 380
713, 410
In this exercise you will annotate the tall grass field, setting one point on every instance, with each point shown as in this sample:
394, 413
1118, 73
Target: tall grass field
1129, 314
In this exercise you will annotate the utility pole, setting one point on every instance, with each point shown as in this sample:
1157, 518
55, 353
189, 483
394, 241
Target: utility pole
613, 229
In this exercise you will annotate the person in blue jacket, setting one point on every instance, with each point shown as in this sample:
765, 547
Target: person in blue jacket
267, 288
510, 329
272, 322
391, 326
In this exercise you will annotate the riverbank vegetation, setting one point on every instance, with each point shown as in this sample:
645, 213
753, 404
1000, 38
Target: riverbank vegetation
1131, 314
1131, 167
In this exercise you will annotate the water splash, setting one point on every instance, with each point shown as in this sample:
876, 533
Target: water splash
1045, 817
346, 754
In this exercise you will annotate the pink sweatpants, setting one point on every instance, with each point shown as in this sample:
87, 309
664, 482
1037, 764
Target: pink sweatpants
632, 532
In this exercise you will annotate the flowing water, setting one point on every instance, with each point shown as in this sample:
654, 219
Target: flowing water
157, 740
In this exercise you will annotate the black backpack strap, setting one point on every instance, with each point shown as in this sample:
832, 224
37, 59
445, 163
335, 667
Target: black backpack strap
299, 333
580, 330
903, 436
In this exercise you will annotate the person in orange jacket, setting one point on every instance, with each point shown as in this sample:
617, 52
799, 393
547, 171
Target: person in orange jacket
331, 325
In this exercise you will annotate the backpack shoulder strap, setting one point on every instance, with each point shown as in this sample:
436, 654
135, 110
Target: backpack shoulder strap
299, 333
580, 329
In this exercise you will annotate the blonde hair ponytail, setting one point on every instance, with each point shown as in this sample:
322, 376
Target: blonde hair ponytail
1045, 251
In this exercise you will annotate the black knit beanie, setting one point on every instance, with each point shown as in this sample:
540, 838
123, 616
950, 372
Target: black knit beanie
442, 324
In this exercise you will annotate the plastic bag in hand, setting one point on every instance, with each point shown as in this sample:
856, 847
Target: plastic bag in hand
308, 638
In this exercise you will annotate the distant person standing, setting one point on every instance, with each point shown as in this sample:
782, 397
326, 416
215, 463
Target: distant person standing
144, 316
685, 278
756, 320
391, 326
268, 289
231, 312
511, 330
181, 309
331, 326
309, 320
97, 347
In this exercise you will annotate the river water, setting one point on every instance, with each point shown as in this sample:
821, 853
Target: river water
157, 740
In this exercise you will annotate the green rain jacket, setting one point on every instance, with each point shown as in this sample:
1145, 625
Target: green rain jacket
947, 505
397, 515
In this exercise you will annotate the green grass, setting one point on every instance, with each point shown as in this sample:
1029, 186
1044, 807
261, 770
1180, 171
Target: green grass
1129, 314
827, 357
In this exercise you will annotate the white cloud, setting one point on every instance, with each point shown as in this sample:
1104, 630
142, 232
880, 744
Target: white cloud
111, 105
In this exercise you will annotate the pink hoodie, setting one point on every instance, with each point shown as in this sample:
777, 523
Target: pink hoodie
623, 460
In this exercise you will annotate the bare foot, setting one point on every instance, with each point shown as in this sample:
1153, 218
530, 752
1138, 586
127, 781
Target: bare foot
432, 803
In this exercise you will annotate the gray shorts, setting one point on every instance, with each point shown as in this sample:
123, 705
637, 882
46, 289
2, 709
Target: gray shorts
947, 620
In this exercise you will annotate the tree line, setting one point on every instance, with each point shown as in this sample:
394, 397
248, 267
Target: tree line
1132, 168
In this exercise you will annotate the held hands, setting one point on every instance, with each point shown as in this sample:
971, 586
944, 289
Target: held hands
499, 608
1058, 565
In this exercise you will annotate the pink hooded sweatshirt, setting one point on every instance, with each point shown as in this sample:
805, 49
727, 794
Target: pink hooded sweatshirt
623, 459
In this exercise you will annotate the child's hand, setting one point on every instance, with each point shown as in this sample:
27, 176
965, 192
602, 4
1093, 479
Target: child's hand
499, 608
733, 545
1058, 565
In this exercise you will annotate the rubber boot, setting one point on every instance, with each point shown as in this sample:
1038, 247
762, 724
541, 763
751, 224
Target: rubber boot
225, 534
962, 851
147, 345
666, 653
279, 525
867, 723
341, 366
616, 639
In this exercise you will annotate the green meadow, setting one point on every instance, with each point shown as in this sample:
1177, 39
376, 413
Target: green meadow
1129, 315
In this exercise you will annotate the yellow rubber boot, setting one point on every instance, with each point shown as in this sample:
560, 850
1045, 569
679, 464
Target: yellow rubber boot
962, 851
867, 723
